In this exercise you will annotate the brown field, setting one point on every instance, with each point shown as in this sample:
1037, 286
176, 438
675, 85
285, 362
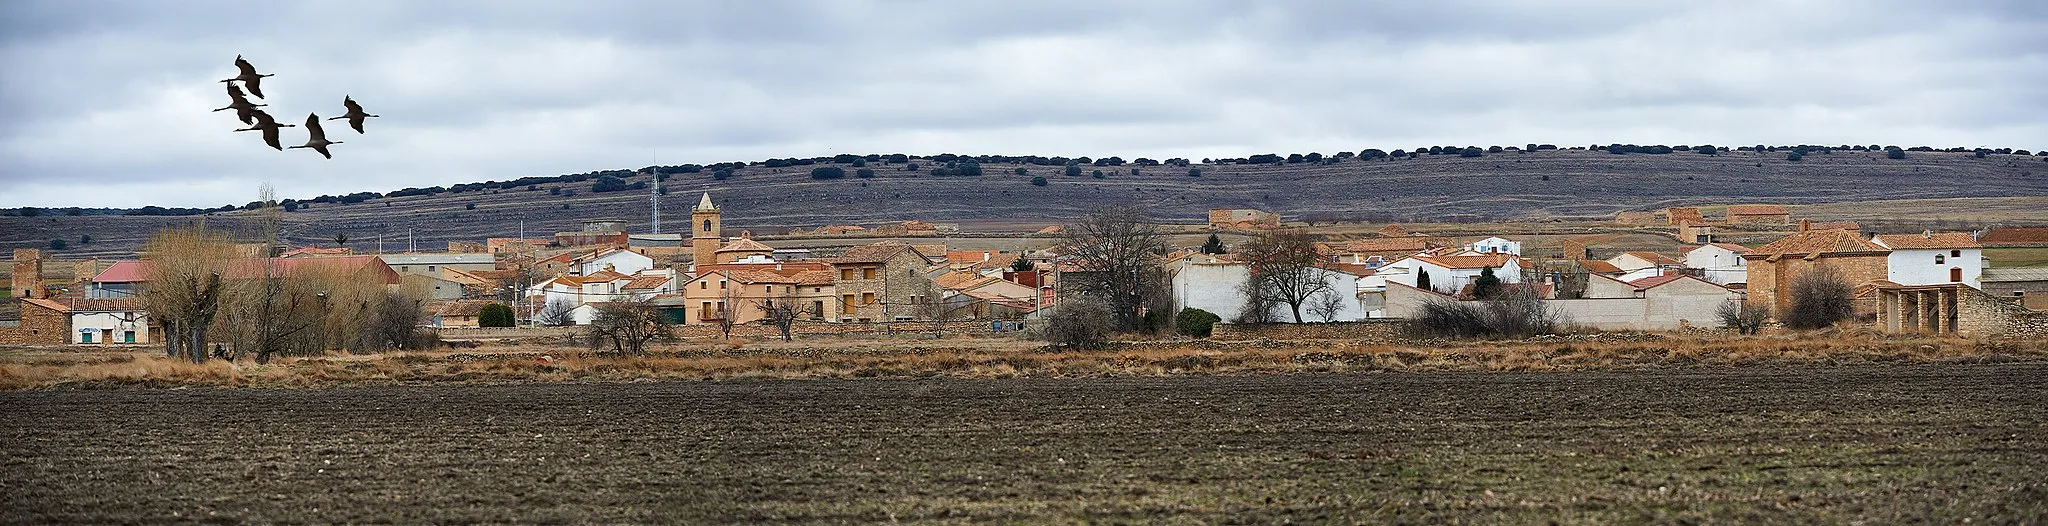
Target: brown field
1496, 187
1824, 444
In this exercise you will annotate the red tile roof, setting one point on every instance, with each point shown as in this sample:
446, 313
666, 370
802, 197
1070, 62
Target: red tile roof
1755, 210
746, 245
645, 282
1653, 281
876, 253
1928, 241
1817, 242
2005, 236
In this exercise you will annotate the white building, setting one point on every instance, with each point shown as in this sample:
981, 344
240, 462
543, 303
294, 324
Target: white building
113, 321
1215, 284
1450, 274
1495, 245
616, 260
1633, 261
1719, 263
1933, 258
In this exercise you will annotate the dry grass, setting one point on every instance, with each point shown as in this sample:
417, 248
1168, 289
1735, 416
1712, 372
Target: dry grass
988, 358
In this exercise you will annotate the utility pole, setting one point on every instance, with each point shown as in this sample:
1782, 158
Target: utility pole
654, 194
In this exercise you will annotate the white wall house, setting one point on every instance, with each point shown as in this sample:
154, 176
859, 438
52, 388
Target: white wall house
1495, 245
1933, 258
1720, 263
431, 264
1450, 274
620, 261
1203, 281
117, 326
1633, 261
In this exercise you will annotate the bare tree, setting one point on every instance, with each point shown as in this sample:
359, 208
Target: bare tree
1285, 269
930, 304
1114, 251
185, 267
628, 325
555, 314
782, 312
1327, 305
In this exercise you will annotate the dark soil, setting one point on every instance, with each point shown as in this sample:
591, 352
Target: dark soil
1889, 445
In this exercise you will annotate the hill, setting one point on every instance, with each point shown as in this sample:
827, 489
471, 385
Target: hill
1431, 188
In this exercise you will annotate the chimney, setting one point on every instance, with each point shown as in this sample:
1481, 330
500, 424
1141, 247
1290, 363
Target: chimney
746, 234
985, 255
1805, 224
1929, 234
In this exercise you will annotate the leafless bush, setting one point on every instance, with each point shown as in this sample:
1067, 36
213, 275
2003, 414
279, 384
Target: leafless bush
1079, 323
1327, 305
1514, 313
627, 325
1820, 297
1744, 317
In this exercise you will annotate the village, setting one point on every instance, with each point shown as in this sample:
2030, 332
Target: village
718, 283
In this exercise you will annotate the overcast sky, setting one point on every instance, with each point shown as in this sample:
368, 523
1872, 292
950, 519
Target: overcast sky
106, 103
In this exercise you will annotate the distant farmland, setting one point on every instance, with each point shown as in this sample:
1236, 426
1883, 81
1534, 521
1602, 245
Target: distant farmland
1502, 186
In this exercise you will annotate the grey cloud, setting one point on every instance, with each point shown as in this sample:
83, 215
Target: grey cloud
117, 92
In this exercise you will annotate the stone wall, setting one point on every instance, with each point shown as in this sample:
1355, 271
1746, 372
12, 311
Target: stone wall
1369, 330
39, 326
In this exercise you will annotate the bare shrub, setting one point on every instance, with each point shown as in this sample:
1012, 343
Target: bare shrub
1327, 305
1284, 270
1743, 317
1516, 312
1114, 252
1820, 297
1079, 323
627, 325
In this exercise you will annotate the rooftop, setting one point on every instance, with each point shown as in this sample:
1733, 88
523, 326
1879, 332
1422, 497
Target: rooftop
1927, 241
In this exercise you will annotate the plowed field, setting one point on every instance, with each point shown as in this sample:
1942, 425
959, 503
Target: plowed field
1903, 444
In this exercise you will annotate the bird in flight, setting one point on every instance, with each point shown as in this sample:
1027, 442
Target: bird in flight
355, 113
240, 103
248, 77
316, 138
269, 126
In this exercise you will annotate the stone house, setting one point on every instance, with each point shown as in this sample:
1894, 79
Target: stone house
38, 322
1683, 215
875, 282
1242, 219
743, 295
1758, 214
1772, 267
459, 314
1931, 258
2025, 286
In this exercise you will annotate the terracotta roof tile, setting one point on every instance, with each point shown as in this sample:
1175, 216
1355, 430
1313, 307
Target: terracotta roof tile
1817, 242
1754, 210
1932, 240
876, 253
1739, 249
645, 282
1654, 257
1599, 267
745, 245
2001, 236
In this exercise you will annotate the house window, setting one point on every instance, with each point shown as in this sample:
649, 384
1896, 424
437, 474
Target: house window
867, 298
1955, 253
127, 336
430, 268
1938, 259
85, 336
846, 303
846, 273
867, 273
703, 285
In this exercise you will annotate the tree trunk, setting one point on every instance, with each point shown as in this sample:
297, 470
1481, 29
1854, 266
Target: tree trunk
174, 334
1296, 307
195, 344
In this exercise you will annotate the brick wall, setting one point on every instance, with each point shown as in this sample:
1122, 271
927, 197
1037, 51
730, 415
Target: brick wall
1370, 330
39, 326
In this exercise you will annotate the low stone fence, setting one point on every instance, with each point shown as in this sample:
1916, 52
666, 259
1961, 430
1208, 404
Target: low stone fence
1378, 330
883, 329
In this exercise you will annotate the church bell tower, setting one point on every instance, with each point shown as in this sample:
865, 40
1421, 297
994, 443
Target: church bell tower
704, 227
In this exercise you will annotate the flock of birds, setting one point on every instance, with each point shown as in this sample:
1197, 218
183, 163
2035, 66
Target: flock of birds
258, 120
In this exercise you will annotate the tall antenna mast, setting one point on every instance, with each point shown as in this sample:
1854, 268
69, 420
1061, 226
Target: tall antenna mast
654, 194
